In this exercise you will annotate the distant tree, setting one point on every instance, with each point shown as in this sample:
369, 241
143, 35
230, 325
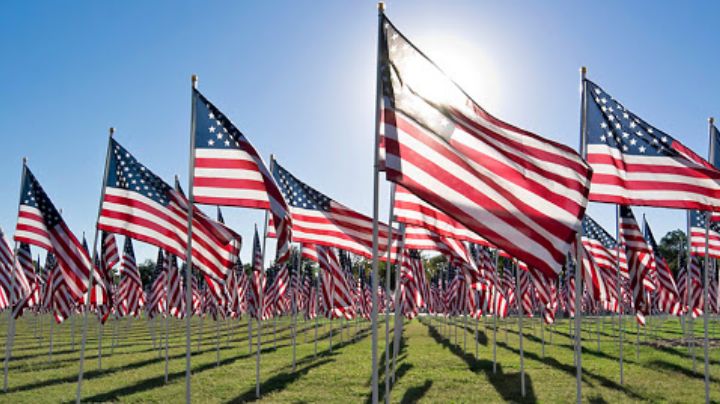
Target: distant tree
673, 247
147, 272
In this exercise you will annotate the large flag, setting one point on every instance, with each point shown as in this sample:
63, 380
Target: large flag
668, 297
634, 163
521, 192
139, 204
40, 224
229, 171
317, 219
641, 262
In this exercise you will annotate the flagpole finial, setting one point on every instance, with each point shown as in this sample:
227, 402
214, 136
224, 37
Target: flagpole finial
194, 80
24, 160
583, 70
711, 120
112, 131
381, 6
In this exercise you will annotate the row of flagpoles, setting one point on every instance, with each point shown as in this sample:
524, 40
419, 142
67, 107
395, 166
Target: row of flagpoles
465, 183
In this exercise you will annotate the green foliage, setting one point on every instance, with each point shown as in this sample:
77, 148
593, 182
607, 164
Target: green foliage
147, 272
673, 247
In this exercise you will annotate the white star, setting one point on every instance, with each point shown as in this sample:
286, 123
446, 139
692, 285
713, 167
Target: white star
603, 125
626, 135
604, 100
227, 143
602, 138
219, 135
625, 115
211, 116
211, 142
211, 129
664, 138
633, 141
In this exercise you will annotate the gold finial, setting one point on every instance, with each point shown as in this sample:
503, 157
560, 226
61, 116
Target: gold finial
194, 80
583, 70
381, 6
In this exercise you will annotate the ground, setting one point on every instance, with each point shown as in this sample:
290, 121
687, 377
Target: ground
434, 365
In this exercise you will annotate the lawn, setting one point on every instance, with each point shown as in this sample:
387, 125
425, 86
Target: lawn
437, 363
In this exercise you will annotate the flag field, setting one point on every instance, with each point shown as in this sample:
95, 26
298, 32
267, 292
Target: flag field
434, 364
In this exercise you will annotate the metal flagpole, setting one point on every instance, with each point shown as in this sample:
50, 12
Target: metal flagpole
388, 266
188, 252
217, 342
578, 242
619, 294
91, 275
296, 277
100, 335
494, 309
52, 329
706, 281
688, 288
542, 332
477, 321
167, 316
317, 307
398, 322
259, 304
376, 186
518, 299
250, 333
11, 320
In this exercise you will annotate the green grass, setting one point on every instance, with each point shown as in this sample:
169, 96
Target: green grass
432, 366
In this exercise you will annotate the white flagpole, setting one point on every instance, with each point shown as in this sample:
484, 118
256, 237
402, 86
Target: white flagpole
260, 304
295, 276
689, 287
250, 333
11, 320
518, 299
188, 252
578, 242
317, 315
167, 315
388, 268
52, 329
477, 324
706, 283
376, 186
494, 309
91, 275
398, 322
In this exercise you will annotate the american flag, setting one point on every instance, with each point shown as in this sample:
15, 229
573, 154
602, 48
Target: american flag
546, 293
412, 210
641, 262
20, 273
229, 171
525, 290
276, 297
130, 293
176, 293
634, 163
603, 251
697, 235
317, 219
157, 295
110, 253
411, 288
667, 294
99, 297
40, 224
140, 205
519, 191
57, 296
258, 282
335, 288
690, 288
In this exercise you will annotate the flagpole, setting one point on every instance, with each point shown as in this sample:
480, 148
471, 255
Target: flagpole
388, 266
398, 322
260, 304
376, 186
518, 298
688, 289
578, 242
188, 252
167, 312
295, 276
706, 296
9, 340
91, 275
495, 309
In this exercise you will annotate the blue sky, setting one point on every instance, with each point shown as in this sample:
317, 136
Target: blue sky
297, 77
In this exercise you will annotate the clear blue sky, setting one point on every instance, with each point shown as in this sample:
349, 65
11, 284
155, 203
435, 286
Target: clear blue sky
298, 78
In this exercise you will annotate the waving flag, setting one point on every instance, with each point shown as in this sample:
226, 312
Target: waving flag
697, 235
691, 288
317, 219
57, 296
140, 205
519, 191
110, 253
335, 288
229, 171
130, 291
634, 163
40, 224
641, 262
668, 295
157, 294
258, 281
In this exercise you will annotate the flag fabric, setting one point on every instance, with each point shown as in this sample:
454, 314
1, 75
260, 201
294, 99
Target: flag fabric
412, 210
130, 291
641, 262
157, 294
525, 290
668, 296
141, 205
697, 235
176, 292
519, 191
110, 253
546, 293
57, 295
691, 288
229, 171
40, 224
258, 282
634, 163
317, 219
335, 288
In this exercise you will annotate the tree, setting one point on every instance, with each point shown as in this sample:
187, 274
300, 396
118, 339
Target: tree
147, 270
673, 247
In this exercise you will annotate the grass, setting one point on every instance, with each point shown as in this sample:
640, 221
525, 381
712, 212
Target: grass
434, 365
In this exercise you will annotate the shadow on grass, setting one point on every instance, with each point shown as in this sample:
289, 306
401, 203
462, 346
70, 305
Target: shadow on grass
507, 385
415, 393
674, 367
278, 382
